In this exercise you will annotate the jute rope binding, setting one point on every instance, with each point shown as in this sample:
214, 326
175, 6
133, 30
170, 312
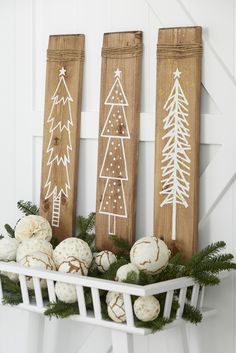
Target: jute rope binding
124, 52
65, 55
175, 51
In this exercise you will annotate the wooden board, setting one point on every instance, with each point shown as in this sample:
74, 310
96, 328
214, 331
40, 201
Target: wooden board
118, 137
177, 137
65, 59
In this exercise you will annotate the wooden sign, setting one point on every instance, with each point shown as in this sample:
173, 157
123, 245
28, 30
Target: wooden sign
118, 137
177, 137
65, 59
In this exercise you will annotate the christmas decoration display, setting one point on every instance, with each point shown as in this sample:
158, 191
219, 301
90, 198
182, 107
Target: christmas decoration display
74, 265
66, 292
126, 271
30, 246
38, 260
150, 255
177, 137
72, 247
116, 309
61, 130
147, 308
8, 248
33, 226
118, 137
104, 259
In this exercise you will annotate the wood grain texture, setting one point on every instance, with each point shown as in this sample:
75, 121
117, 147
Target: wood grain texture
183, 51
118, 137
62, 132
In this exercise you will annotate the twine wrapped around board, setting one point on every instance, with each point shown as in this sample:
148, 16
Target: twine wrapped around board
124, 52
65, 55
176, 51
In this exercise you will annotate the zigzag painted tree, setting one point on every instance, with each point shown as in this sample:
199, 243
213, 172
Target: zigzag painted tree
176, 169
114, 167
59, 146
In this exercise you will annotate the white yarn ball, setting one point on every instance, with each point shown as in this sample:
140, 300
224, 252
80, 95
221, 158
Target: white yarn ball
74, 265
66, 292
11, 275
150, 254
8, 248
33, 226
111, 295
104, 259
40, 261
30, 246
72, 247
124, 271
116, 309
147, 308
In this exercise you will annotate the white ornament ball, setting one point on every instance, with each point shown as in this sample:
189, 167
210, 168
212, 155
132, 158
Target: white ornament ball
11, 275
40, 261
147, 308
111, 295
124, 271
72, 247
150, 254
8, 248
104, 259
66, 292
116, 309
33, 226
30, 246
74, 265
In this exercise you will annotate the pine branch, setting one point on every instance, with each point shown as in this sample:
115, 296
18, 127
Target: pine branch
27, 207
121, 245
155, 325
111, 273
132, 278
10, 230
85, 227
61, 310
192, 314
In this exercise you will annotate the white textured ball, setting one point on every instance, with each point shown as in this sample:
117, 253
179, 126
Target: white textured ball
33, 226
104, 259
8, 248
11, 275
111, 295
30, 246
116, 309
124, 271
150, 254
72, 247
40, 261
66, 292
147, 308
74, 265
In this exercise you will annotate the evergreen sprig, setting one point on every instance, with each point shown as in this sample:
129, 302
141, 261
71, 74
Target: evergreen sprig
155, 325
122, 246
9, 230
85, 229
192, 314
61, 310
28, 208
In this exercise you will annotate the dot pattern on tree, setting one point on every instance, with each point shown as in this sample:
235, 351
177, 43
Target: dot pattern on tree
116, 123
114, 164
113, 198
116, 95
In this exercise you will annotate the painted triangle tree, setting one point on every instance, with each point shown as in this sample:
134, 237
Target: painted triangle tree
114, 168
176, 162
59, 146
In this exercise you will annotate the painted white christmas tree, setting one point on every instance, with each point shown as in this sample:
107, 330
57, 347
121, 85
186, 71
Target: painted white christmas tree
114, 168
59, 146
176, 162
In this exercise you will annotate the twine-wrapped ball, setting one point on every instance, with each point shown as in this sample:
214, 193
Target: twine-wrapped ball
8, 248
111, 295
116, 309
147, 308
66, 292
40, 261
33, 226
30, 246
104, 259
150, 255
127, 270
72, 247
74, 265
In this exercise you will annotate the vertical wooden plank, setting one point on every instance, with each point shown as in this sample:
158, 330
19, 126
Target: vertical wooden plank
51, 291
177, 137
168, 304
38, 292
182, 297
118, 137
96, 303
61, 132
24, 289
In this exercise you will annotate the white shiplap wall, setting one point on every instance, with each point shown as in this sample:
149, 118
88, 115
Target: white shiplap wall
24, 29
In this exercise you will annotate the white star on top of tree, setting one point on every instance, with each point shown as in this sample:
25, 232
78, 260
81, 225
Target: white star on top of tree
62, 71
117, 72
177, 73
